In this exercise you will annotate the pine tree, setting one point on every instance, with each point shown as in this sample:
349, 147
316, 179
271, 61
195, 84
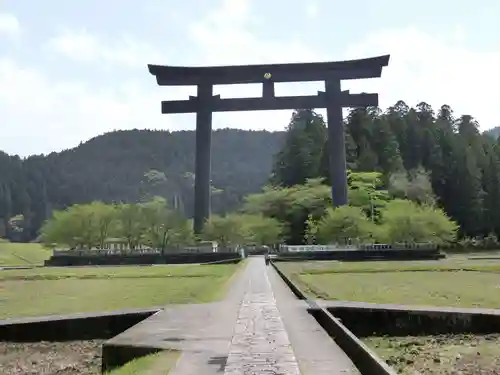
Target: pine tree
302, 156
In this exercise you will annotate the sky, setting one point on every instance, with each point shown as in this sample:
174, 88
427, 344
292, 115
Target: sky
72, 70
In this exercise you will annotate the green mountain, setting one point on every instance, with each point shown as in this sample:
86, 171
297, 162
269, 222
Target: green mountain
112, 167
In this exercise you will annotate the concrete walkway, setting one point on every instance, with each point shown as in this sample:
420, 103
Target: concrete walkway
316, 352
260, 343
259, 328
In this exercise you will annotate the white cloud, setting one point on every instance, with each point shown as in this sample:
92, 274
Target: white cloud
435, 69
225, 39
312, 10
82, 46
40, 114
9, 25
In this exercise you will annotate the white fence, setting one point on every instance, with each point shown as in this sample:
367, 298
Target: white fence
312, 248
145, 251
316, 248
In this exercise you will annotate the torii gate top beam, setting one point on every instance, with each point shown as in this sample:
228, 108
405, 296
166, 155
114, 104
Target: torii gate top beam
296, 72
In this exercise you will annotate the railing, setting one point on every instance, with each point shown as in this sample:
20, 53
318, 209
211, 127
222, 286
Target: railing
396, 246
300, 248
128, 252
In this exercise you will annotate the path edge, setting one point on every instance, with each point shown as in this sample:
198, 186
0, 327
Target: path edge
367, 362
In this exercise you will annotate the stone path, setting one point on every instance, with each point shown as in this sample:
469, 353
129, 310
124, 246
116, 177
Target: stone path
260, 344
259, 328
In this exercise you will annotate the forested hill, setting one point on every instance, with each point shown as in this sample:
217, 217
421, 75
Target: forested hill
112, 167
443, 154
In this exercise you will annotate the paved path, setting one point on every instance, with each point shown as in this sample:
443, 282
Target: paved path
260, 344
259, 328
315, 350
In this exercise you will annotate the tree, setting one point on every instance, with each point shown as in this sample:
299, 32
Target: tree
491, 186
359, 125
163, 227
56, 231
465, 190
414, 185
406, 221
385, 145
104, 216
264, 230
182, 234
291, 206
130, 223
227, 231
366, 191
342, 225
92, 225
77, 226
302, 154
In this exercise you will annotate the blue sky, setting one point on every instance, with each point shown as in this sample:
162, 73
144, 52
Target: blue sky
72, 70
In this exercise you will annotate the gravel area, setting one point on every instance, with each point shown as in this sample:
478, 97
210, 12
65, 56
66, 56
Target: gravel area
440, 355
51, 358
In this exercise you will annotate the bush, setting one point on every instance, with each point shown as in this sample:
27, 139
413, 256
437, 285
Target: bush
264, 230
406, 221
227, 230
466, 244
235, 229
342, 225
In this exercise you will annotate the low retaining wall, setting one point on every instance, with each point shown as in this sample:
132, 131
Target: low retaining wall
367, 362
361, 255
138, 259
295, 289
395, 320
71, 327
363, 357
114, 356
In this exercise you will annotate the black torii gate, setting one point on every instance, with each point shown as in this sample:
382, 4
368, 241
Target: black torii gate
205, 103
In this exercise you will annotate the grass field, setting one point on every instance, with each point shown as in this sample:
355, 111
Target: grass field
22, 254
45, 291
451, 282
154, 364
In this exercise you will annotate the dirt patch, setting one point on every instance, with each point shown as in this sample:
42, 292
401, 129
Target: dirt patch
51, 358
440, 355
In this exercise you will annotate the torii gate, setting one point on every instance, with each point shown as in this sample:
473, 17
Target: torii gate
205, 103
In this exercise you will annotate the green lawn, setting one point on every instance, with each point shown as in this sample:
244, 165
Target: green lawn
451, 282
22, 254
45, 291
155, 364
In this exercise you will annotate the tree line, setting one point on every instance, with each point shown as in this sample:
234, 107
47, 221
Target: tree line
153, 224
422, 155
301, 213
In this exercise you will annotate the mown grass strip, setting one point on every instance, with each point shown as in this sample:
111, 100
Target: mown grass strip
154, 364
118, 272
446, 268
97, 277
24, 293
